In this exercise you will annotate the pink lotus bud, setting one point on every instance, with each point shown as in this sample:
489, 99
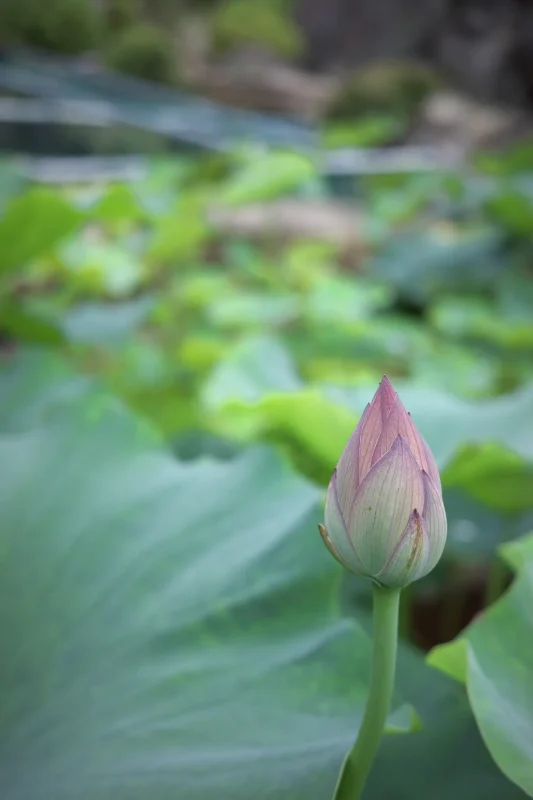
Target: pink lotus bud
384, 515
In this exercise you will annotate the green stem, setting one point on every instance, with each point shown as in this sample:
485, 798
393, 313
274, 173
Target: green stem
359, 760
406, 612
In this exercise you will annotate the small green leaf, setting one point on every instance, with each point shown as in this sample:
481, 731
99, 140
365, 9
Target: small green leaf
105, 324
499, 670
519, 552
119, 203
371, 130
178, 235
109, 268
252, 311
451, 659
493, 475
27, 326
256, 367
268, 177
32, 224
512, 210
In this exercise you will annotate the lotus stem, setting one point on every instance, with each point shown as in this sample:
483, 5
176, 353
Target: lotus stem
359, 760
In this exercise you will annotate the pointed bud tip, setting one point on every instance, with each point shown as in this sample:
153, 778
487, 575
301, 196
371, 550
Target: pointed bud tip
400, 441
386, 383
384, 397
386, 386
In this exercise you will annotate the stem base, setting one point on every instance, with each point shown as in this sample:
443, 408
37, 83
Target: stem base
358, 762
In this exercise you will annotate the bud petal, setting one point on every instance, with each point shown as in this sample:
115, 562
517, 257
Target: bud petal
334, 531
409, 559
431, 466
372, 424
386, 396
434, 515
348, 466
329, 544
399, 423
383, 504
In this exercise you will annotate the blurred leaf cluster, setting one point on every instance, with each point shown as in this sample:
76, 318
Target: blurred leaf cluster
173, 399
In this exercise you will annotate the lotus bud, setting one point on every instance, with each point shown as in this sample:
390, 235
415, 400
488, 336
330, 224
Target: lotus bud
384, 515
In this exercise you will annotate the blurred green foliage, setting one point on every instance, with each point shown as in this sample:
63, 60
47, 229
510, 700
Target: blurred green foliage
221, 344
66, 26
436, 299
394, 88
243, 22
120, 14
144, 51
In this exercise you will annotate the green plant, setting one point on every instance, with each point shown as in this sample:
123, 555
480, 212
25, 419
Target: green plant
143, 51
263, 22
384, 88
176, 626
121, 14
65, 26
53, 219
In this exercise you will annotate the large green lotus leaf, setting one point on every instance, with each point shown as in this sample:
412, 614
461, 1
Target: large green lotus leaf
28, 326
515, 297
173, 630
342, 301
478, 318
12, 180
496, 477
34, 387
106, 323
494, 657
311, 430
447, 759
475, 530
422, 263
32, 224
168, 630
257, 310
256, 392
